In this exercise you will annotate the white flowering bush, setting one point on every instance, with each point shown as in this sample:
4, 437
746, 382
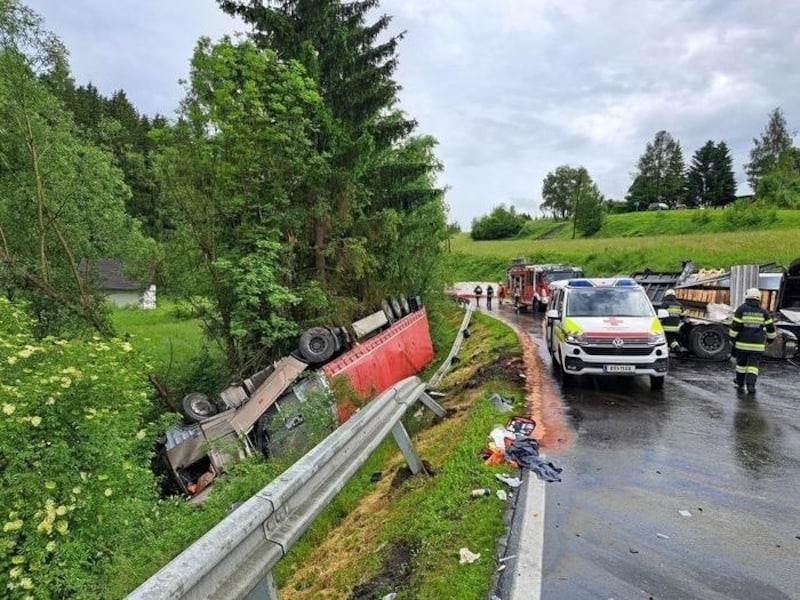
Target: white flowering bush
75, 451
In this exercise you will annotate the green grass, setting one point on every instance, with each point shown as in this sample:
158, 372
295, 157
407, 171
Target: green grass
606, 256
436, 516
174, 343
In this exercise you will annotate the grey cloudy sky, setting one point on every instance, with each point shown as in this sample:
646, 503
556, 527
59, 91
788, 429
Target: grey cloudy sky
510, 88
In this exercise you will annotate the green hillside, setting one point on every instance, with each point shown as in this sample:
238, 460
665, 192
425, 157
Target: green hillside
635, 241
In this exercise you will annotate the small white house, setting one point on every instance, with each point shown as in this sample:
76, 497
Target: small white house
119, 289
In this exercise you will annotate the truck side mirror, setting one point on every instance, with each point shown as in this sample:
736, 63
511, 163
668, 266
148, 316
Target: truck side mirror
552, 313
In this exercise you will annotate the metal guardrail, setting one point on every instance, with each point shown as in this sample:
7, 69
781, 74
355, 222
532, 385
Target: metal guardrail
448, 362
238, 554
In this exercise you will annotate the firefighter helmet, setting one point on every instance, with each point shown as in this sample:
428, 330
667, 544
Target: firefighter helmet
753, 294
669, 292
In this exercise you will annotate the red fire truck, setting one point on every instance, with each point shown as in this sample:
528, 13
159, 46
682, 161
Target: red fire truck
529, 285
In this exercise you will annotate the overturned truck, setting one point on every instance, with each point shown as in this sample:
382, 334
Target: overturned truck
265, 412
710, 297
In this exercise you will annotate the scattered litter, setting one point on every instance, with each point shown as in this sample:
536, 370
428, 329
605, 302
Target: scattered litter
376, 476
513, 482
391, 596
480, 492
505, 558
465, 555
501, 403
499, 435
521, 425
662, 536
501, 494
633, 551
500, 568
684, 513
434, 394
525, 452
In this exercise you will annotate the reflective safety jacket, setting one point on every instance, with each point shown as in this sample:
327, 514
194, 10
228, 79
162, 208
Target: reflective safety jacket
672, 323
751, 326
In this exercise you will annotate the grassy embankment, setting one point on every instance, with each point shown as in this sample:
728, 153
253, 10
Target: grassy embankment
632, 242
401, 533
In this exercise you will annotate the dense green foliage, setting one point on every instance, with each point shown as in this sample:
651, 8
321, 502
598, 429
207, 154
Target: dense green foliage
659, 174
63, 200
710, 180
77, 441
499, 224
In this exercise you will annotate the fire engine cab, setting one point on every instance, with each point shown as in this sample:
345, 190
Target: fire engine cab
529, 285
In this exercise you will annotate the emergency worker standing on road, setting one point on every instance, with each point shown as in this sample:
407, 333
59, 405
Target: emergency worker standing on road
478, 293
501, 293
751, 326
489, 296
672, 323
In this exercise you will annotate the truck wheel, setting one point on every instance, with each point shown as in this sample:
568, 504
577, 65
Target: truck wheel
657, 382
387, 310
396, 309
317, 345
404, 305
710, 342
197, 407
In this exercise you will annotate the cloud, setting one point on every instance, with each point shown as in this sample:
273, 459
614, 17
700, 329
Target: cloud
512, 88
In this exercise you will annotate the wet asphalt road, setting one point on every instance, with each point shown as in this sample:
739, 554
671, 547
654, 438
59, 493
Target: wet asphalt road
731, 462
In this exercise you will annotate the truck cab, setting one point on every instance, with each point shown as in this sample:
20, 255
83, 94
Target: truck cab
605, 327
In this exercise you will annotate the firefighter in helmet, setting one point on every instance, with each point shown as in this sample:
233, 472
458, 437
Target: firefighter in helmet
672, 322
751, 326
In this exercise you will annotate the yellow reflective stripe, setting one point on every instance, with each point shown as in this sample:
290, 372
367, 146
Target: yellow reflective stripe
671, 328
740, 345
736, 319
732, 333
751, 369
753, 319
741, 369
772, 336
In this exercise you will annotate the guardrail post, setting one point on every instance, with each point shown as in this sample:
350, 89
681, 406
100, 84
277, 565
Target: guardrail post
265, 590
435, 407
407, 448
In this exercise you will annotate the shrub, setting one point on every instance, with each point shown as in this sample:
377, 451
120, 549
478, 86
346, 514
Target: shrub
75, 453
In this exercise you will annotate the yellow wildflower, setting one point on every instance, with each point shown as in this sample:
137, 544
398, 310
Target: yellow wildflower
17, 560
26, 583
15, 572
50, 546
9, 409
108, 492
61, 510
50, 485
62, 527
36, 421
140, 434
12, 525
11, 360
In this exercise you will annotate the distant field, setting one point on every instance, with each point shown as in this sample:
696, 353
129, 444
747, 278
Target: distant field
603, 256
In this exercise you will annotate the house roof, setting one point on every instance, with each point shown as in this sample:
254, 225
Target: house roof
109, 275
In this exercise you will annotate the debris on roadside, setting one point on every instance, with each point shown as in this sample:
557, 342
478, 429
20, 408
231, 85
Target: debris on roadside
684, 513
501, 403
376, 476
466, 556
502, 495
512, 482
662, 536
514, 443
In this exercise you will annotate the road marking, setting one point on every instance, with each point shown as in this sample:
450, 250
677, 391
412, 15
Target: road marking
526, 583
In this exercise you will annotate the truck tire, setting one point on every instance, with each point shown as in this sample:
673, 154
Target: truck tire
657, 382
387, 310
197, 407
396, 309
404, 305
317, 345
710, 342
